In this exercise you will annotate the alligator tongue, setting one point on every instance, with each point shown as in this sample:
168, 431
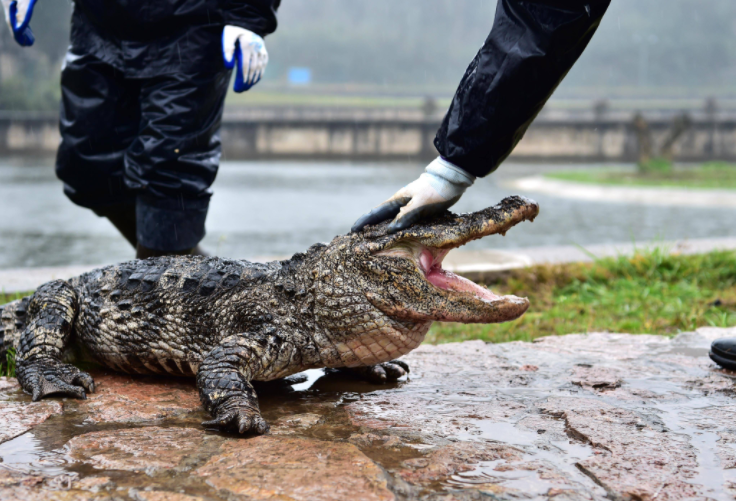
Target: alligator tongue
449, 281
439, 277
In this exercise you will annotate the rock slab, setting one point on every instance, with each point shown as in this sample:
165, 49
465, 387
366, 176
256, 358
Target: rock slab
580, 417
18, 414
591, 416
299, 469
127, 399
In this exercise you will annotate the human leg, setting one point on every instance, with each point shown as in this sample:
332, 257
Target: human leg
99, 119
174, 159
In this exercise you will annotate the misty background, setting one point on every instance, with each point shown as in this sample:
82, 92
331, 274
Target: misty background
652, 48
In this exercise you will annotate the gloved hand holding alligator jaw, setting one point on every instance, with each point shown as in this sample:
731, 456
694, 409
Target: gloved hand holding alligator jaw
18, 16
246, 52
532, 46
436, 190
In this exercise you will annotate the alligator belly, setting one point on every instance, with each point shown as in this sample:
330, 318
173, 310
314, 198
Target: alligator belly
148, 364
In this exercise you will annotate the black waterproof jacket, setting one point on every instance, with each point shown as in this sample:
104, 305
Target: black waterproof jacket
146, 38
532, 46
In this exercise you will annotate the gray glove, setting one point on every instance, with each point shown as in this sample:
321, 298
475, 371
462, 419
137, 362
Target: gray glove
438, 188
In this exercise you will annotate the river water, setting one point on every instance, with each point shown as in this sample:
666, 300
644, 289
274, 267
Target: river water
277, 208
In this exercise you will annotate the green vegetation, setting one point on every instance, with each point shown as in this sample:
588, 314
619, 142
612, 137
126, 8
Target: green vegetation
653, 292
319, 97
658, 173
6, 298
656, 166
42, 95
7, 366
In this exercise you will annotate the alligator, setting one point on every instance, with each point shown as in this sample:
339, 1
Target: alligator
356, 304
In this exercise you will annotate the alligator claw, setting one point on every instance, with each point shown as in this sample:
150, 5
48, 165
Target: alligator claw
395, 369
254, 424
240, 421
386, 372
62, 379
401, 364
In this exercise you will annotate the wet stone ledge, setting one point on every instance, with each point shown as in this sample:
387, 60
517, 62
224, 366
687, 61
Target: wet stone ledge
580, 417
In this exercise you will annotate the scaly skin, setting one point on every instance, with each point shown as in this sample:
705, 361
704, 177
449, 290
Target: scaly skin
357, 303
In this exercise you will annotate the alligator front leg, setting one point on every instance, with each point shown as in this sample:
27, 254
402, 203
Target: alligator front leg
386, 372
51, 313
224, 385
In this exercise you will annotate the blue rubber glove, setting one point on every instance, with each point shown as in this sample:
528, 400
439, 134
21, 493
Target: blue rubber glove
437, 189
248, 50
18, 15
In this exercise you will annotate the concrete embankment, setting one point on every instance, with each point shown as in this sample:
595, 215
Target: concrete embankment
389, 135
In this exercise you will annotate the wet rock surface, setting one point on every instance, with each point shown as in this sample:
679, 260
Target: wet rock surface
138, 449
295, 468
18, 414
130, 399
599, 416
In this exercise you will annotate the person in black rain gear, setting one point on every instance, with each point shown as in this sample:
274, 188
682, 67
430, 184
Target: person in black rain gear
531, 47
143, 87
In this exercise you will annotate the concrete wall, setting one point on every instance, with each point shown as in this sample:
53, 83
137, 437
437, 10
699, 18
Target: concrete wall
366, 137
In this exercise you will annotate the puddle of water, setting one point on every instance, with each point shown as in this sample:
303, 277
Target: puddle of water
27, 454
688, 352
505, 433
313, 392
576, 452
711, 474
526, 481
523, 394
486, 473
561, 456
658, 385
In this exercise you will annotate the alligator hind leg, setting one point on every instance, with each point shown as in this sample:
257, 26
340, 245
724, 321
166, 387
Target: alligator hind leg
224, 385
50, 319
386, 372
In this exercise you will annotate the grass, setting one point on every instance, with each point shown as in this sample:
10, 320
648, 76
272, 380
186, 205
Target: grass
265, 98
653, 292
7, 366
707, 176
8, 297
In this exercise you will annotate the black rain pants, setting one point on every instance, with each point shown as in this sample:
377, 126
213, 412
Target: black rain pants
151, 145
532, 46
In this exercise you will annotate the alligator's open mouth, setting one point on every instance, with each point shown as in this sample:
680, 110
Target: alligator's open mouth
426, 244
429, 261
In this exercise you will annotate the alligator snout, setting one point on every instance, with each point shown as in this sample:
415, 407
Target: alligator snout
414, 284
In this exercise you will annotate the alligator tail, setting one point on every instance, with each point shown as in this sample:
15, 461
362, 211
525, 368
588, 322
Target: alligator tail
13, 318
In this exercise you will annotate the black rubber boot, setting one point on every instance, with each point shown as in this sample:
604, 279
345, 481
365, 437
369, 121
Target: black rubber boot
723, 352
123, 218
